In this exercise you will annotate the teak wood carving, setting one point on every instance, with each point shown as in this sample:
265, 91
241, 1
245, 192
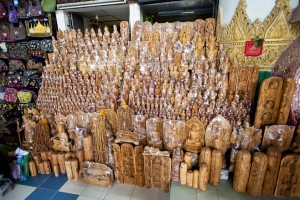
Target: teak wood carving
157, 165
268, 102
288, 182
195, 131
218, 134
278, 135
242, 171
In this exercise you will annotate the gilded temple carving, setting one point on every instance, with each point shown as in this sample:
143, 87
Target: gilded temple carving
276, 30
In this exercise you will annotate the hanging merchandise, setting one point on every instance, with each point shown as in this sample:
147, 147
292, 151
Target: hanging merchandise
16, 65
4, 32
18, 50
11, 95
12, 14
34, 8
3, 13
17, 31
22, 9
48, 5
39, 27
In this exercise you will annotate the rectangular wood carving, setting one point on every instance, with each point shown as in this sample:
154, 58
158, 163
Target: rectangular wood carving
157, 167
139, 166
216, 167
242, 171
288, 183
289, 87
118, 163
127, 160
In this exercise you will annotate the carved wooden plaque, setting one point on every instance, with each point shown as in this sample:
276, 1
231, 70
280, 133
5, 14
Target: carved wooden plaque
174, 134
288, 182
154, 127
242, 171
257, 174
289, 87
124, 114
244, 79
274, 159
157, 166
268, 102
139, 166
118, 163
278, 135
128, 137
195, 132
127, 160
218, 134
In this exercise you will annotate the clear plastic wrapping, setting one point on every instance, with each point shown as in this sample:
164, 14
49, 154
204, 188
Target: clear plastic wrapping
154, 128
174, 134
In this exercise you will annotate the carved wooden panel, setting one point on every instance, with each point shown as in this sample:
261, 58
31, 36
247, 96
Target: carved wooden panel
118, 163
244, 79
274, 158
242, 171
177, 158
157, 168
288, 182
127, 160
216, 167
278, 135
268, 102
139, 166
289, 87
174, 134
218, 134
128, 137
124, 114
195, 132
154, 127
257, 174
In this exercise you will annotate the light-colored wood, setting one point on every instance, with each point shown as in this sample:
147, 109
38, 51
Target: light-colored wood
188, 159
49, 156
127, 162
41, 168
205, 158
118, 163
268, 102
189, 178
216, 167
289, 87
139, 166
196, 179
195, 132
278, 135
257, 173
218, 134
288, 182
54, 159
75, 168
43, 156
270, 180
61, 162
177, 158
242, 171
88, 148
69, 169
47, 167
32, 168
80, 155
203, 176
56, 170
183, 173
154, 127
96, 174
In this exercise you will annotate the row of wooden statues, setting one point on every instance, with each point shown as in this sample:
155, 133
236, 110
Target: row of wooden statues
173, 71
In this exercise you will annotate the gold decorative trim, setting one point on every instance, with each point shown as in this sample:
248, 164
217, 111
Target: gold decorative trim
276, 30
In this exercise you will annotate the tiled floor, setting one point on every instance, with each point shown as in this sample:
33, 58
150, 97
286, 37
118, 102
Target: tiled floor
46, 187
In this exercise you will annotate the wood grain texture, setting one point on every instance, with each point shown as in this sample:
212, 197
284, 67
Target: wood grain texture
242, 171
203, 176
216, 167
205, 157
183, 172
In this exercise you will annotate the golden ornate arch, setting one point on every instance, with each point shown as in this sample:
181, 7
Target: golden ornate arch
276, 30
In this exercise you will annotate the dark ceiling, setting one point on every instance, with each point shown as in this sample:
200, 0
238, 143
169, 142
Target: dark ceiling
178, 10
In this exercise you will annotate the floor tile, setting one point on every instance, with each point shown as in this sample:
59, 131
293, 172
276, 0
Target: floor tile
228, 195
64, 196
208, 194
54, 183
119, 192
225, 186
35, 181
41, 193
140, 193
20, 192
246, 196
163, 195
94, 191
85, 198
210, 187
73, 187
183, 192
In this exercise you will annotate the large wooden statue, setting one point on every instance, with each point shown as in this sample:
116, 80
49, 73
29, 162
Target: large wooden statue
268, 102
218, 134
195, 131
